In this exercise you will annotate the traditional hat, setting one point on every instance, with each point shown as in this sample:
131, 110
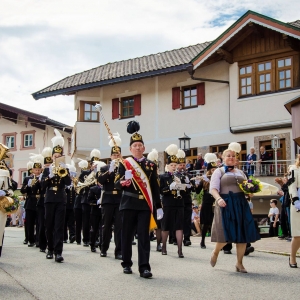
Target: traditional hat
99, 164
236, 147
181, 156
211, 160
172, 151
29, 166
115, 149
95, 155
38, 160
83, 164
58, 142
153, 156
47, 153
133, 127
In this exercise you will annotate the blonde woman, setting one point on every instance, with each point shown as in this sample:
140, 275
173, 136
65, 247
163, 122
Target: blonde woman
294, 184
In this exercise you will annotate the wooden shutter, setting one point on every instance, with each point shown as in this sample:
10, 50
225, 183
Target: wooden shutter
115, 108
176, 98
137, 105
201, 93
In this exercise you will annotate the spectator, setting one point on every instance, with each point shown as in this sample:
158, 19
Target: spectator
21, 211
251, 159
264, 160
274, 218
200, 162
189, 166
196, 220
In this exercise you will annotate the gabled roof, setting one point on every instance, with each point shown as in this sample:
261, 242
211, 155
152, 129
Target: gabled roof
291, 29
40, 121
125, 70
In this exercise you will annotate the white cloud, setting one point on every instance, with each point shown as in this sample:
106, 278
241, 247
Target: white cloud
44, 41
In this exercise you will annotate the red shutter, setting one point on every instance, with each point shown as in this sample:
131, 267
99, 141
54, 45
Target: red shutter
176, 98
201, 93
137, 105
115, 108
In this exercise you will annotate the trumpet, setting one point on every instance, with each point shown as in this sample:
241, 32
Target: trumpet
60, 171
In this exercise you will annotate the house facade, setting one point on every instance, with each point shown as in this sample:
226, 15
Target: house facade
231, 89
24, 132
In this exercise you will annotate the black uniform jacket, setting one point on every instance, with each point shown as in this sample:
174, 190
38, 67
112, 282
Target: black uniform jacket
186, 194
55, 186
85, 191
39, 193
132, 197
31, 194
110, 194
169, 197
70, 191
93, 196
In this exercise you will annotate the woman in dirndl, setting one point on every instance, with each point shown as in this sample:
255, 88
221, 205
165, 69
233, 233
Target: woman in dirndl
233, 221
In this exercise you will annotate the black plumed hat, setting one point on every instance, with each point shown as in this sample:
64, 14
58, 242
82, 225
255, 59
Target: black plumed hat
133, 127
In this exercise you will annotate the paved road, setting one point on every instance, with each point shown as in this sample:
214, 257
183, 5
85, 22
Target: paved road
26, 274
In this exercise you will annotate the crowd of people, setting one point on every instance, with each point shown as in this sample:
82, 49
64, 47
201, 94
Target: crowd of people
128, 198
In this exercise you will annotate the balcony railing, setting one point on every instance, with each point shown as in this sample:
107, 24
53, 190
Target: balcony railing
260, 169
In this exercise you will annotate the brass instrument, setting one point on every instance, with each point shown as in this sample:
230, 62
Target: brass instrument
75, 181
88, 180
34, 180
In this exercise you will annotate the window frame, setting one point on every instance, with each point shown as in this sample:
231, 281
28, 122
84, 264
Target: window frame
23, 134
278, 69
264, 73
183, 96
91, 111
246, 75
10, 134
122, 100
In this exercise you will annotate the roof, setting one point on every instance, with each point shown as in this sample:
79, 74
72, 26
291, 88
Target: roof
291, 29
125, 70
36, 120
288, 105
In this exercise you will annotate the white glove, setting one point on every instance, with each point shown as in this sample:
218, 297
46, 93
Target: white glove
197, 182
29, 182
2, 193
128, 174
187, 180
112, 166
173, 186
297, 204
63, 165
98, 201
188, 186
50, 172
160, 214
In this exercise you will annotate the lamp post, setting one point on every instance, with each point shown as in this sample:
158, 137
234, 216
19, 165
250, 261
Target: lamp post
184, 142
275, 145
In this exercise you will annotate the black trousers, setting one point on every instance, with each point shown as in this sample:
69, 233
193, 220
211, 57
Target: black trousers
139, 220
96, 225
55, 220
69, 223
187, 222
111, 216
273, 231
41, 228
31, 220
86, 213
78, 224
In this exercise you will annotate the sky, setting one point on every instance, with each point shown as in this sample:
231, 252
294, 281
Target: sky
44, 41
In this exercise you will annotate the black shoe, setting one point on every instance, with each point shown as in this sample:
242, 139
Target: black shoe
65, 242
133, 243
146, 274
86, 244
153, 238
37, 245
118, 256
78, 243
42, 250
282, 237
250, 249
103, 254
227, 252
31, 244
127, 270
187, 243
175, 243
180, 255
158, 248
170, 242
72, 239
59, 258
97, 244
93, 249
292, 265
202, 246
25, 242
49, 255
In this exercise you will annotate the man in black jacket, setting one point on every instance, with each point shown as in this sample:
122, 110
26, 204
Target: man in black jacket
137, 178
110, 203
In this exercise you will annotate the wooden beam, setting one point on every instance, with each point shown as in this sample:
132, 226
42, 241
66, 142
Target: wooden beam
225, 55
238, 40
293, 43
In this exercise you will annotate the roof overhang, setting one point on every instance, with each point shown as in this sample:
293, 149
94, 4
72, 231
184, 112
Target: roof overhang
288, 105
249, 17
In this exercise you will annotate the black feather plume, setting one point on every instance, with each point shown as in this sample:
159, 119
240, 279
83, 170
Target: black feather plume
133, 126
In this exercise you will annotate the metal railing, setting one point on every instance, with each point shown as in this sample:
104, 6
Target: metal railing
267, 168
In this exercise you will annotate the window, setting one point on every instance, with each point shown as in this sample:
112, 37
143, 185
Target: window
127, 107
188, 96
284, 70
246, 80
9, 139
90, 113
23, 175
270, 76
28, 140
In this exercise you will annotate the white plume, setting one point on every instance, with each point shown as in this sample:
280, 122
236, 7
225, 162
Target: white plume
99, 164
83, 163
172, 149
29, 165
210, 157
71, 168
117, 139
236, 147
180, 154
153, 155
37, 158
95, 153
58, 140
47, 152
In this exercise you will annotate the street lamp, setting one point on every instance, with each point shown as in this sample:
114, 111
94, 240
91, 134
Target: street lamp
275, 145
184, 142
